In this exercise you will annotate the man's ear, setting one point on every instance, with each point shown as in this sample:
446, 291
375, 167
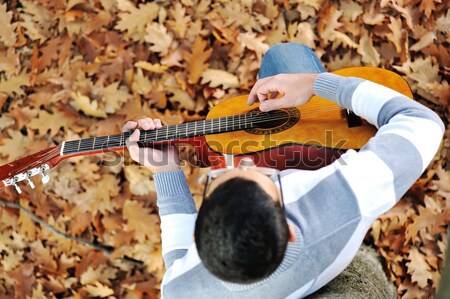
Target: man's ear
292, 236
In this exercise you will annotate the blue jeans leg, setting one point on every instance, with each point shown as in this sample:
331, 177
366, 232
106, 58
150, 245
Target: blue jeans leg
289, 58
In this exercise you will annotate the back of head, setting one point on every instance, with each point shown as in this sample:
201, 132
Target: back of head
241, 233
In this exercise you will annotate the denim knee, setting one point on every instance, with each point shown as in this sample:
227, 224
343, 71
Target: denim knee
280, 49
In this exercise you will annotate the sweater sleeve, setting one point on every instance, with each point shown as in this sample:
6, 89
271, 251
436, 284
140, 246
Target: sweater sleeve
178, 214
409, 134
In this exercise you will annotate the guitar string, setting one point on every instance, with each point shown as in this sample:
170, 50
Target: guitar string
121, 138
173, 131
209, 124
260, 116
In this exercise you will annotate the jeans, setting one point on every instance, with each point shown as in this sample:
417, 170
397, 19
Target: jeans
289, 58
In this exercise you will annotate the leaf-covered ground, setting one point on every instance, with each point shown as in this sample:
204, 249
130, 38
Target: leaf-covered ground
81, 68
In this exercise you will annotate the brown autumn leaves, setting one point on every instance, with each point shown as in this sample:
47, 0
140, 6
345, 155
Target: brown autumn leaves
81, 68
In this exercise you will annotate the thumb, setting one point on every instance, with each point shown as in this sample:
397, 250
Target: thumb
269, 105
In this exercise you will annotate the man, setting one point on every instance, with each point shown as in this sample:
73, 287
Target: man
251, 242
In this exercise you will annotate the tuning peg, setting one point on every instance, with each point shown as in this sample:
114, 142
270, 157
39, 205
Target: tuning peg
29, 174
30, 183
17, 188
45, 178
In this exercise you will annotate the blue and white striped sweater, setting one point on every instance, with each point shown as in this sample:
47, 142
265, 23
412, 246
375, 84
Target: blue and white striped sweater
331, 208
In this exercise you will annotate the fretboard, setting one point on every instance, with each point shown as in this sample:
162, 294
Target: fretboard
166, 133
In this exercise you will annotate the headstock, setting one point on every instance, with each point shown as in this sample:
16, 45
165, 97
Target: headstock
29, 166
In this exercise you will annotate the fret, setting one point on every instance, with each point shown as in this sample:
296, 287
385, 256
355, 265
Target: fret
107, 142
156, 134
204, 127
79, 143
101, 142
239, 121
195, 128
176, 132
145, 136
226, 124
93, 143
114, 141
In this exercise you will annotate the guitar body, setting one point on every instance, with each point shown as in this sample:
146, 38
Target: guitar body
315, 135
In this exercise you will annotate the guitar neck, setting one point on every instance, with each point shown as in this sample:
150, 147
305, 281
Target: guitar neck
165, 134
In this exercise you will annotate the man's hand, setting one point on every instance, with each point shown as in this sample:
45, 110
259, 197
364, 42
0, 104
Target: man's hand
154, 159
295, 90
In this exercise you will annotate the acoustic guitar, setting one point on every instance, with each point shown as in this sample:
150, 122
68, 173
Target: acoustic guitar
306, 137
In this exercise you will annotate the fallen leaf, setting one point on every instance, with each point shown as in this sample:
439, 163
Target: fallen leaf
139, 178
196, 59
83, 103
141, 221
14, 84
98, 290
7, 35
217, 77
418, 268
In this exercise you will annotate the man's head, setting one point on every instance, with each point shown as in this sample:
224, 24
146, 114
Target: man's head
241, 231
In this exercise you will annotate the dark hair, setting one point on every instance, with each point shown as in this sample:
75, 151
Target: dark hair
241, 233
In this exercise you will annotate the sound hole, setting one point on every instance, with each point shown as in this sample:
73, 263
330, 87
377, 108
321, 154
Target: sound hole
274, 121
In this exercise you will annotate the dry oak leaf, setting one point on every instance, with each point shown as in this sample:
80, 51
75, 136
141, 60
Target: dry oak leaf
140, 220
443, 23
114, 96
43, 256
9, 61
139, 178
53, 122
217, 77
23, 278
7, 35
373, 16
13, 85
425, 40
421, 70
37, 20
180, 21
83, 103
102, 273
97, 197
418, 268
302, 33
351, 9
421, 226
6, 121
11, 258
133, 20
250, 41
368, 52
427, 6
141, 84
396, 37
98, 290
14, 147
154, 68
158, 36
196, 60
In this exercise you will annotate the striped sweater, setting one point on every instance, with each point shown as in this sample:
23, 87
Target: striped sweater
331, 208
